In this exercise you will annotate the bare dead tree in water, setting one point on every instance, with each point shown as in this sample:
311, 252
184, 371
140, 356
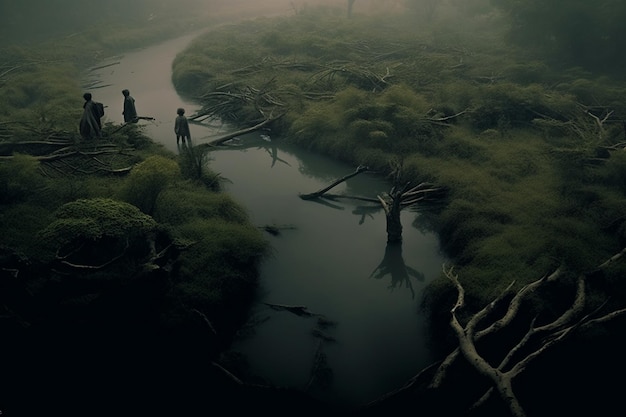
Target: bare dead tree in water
400, 197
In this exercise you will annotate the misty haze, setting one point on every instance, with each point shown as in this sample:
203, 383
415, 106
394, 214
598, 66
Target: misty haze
323, 207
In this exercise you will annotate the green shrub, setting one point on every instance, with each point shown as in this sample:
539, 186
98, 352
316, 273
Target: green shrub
94, 219
219, 268
97, 231
186, 203
529, 72
19, 179
506, 105
147, 180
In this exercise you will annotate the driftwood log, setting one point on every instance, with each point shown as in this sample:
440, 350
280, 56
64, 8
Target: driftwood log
321, 192
220, 140
537, 340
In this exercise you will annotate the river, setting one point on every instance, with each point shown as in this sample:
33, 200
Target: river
331, 258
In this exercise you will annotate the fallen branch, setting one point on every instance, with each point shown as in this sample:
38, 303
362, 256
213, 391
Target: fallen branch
297, 310
206, 321
273, 229
508, 317
465, 335
446, 118
319, 193
222, 139
49, 158
517, 359
349, 197
104, 66
97, 267
230, 375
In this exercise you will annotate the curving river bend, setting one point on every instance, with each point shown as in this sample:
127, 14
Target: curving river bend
331, 258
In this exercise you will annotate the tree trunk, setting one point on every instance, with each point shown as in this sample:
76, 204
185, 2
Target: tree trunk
394, 225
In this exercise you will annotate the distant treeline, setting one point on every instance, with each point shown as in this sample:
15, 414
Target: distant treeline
591, 34
575, 32
35, 19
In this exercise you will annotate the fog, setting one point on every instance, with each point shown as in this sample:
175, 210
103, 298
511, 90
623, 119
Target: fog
33, 20
524, 107
589, 35
28, 19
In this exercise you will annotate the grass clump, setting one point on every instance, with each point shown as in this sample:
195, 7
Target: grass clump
509, 136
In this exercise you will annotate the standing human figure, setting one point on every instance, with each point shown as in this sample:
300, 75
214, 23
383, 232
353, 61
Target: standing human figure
181, 127
90, 125
130, 112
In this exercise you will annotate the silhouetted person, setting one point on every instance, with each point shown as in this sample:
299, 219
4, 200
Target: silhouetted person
181, 127
90, 124
130, 112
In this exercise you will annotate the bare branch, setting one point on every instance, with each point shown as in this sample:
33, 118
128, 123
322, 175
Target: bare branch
96, 267
357, 171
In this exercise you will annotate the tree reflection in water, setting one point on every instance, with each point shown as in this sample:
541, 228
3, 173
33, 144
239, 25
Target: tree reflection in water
366, 211
249, 141
393, 264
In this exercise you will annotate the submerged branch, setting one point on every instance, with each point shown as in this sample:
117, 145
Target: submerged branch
297, 310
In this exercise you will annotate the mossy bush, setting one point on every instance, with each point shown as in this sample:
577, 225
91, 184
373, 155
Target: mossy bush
393, 122
147, 180
93, 219
184, 203
95, 231
219, 267
506, 105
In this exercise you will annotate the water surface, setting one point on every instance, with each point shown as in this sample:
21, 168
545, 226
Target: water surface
330, 257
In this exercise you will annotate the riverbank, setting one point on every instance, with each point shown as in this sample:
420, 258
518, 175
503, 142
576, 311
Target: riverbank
110, 309
499, 250
528, 197
514, 187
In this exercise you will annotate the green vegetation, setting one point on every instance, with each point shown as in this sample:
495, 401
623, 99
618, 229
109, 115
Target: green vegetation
572, 32
82, 213
115, 242
531, 154
515, 141
532, 157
